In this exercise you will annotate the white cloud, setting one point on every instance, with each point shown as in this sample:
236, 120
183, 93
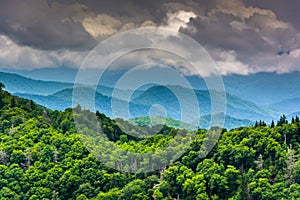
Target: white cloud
179, 19
24, 57
238, 9
228, 63
240, 26
102, 25
295, 53
148, 23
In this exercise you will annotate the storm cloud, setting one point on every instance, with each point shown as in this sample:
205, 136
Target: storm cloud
242, 36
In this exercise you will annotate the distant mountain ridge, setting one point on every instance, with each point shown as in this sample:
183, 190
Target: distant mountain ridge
58, 95
18, 84
263, 88
288, 105
236, 107
204, 122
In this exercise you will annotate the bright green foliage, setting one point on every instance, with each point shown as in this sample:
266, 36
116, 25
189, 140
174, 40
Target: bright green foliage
42, 157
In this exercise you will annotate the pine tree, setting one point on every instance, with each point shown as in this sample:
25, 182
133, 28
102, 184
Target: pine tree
1, 95
32, 105
297, 119
1, 86
282, 121
13, 102
272, 124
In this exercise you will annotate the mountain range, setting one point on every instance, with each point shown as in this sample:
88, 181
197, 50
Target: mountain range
58, 95
263, 88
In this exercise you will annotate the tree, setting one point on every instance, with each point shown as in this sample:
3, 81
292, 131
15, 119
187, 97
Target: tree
28, 158
18, 157
1, 95
297, 119
260, 162
290, 162
293, 120
282, 121
246, 163
195, 188
272, 124
55, 155
32, 105
1, 86
13, 102
3, 157
112, 194
81, 197
135, 190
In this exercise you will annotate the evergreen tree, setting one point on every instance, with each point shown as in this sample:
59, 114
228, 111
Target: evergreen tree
1, 95
246, 163
13, 102
32, 105
282, 121
297, 119
272, 124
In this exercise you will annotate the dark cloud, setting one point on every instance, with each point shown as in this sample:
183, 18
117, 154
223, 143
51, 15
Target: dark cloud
245, 33
34, 23
57, 24
285, 10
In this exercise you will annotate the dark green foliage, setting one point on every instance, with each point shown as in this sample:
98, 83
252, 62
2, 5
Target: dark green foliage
13, 102
259, 124
42, 157
272, 124
282, 120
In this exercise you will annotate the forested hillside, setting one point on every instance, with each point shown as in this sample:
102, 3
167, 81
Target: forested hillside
42, 157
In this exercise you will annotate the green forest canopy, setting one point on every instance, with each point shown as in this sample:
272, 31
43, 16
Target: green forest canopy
42, 157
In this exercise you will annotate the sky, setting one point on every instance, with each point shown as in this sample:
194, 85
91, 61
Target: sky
242, 36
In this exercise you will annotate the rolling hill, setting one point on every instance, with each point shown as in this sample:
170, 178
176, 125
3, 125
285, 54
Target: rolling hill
18, 84
236, 107
58, 95
260, 88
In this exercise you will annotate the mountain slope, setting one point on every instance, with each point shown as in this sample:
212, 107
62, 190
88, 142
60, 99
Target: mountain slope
204, 122
17, 84
63, 99
44, 156
236, 107
264, 88
288, 106
58, 95
260, 88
